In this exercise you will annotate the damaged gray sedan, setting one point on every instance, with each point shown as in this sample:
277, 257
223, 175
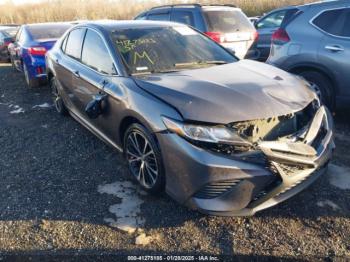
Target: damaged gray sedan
220, 135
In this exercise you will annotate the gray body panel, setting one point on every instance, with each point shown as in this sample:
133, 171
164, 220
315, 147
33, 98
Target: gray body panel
309, 50
217, 95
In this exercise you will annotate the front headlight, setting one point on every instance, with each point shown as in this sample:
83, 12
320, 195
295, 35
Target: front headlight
210, 134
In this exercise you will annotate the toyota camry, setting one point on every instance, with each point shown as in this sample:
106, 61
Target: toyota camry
221, 135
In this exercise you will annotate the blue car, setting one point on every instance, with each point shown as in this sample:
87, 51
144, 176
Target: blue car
27, 53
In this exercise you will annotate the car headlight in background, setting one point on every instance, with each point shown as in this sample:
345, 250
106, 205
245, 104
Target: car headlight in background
210, 134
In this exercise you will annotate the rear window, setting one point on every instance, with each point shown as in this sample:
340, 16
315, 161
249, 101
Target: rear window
41, 32
227, 21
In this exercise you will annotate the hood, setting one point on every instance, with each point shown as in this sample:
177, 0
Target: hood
245, 90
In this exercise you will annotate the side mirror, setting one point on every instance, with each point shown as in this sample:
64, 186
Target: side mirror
95, 108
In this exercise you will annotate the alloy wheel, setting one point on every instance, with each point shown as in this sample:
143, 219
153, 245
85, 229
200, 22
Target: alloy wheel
55, 95
142, 159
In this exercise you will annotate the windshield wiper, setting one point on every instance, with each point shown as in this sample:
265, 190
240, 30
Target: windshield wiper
155, 72
209, 62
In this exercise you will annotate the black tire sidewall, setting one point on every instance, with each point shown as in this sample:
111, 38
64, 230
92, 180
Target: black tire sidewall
160, 182
61, 109
324, 84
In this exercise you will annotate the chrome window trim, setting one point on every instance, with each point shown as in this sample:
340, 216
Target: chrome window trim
320, 29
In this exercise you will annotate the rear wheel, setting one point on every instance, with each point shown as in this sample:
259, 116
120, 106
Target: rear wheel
322, 86
144, 158
29, 81
57, 99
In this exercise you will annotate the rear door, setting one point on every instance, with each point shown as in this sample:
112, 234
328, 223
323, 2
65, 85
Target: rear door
68, 66
95, 75
334, 48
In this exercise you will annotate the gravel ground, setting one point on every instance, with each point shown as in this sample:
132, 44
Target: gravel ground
63, 192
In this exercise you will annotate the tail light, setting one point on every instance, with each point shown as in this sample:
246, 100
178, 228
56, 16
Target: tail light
216, 36
255, 36
39, 70
37, 50
280, 37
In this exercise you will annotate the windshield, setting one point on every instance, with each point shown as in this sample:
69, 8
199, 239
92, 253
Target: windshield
227, 21
43, 32
164, 49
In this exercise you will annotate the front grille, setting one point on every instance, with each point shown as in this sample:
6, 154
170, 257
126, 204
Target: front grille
291, 170
216, 189
273, 128
272, 185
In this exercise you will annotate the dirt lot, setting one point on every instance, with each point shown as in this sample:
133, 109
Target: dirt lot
64, 192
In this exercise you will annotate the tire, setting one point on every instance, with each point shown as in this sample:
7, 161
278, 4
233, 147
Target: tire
57, 99
31, 83
13, 64
322, 86
144, 162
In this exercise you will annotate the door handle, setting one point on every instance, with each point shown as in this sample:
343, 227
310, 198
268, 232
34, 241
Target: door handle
334, 48
76, 73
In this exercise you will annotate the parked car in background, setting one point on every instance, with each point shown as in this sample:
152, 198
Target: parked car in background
11, 29
219, 134
5, 40
225, 24
27, 52
267, 25
253, 19
315, 44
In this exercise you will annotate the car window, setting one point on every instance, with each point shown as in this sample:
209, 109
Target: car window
345, 22
328, 21
42, 31
141, 17
159, 17
227, 21
74, 43
95, 54
272, 21
160, 49
18, 35
22, 36
64, 43
184, 17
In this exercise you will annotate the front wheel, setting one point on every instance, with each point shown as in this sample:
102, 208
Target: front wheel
322, 86
57, 99
144, 158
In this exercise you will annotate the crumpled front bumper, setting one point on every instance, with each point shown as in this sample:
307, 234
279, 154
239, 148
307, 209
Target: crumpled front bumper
219, 184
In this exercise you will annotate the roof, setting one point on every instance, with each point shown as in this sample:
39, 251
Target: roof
193, 5
111, 25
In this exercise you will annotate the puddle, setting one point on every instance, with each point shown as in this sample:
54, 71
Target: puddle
339, 176
329, 203
45, 105
127, 212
